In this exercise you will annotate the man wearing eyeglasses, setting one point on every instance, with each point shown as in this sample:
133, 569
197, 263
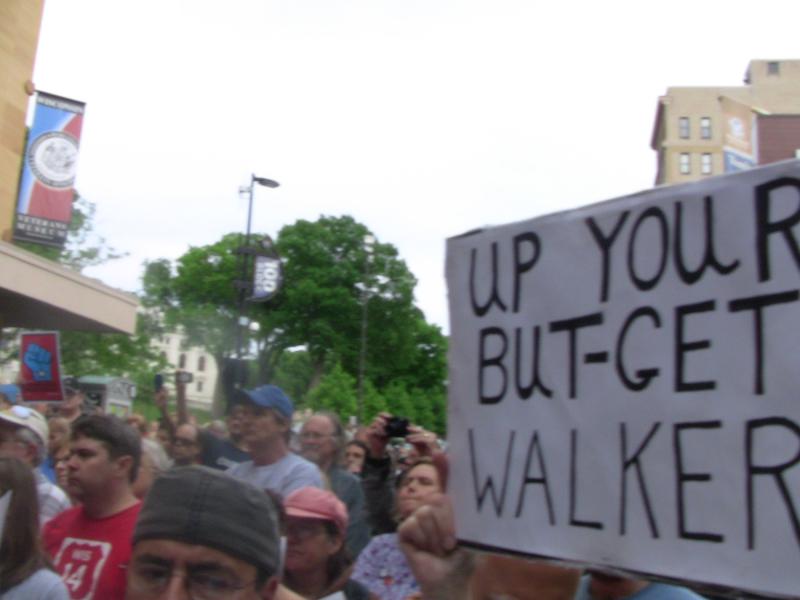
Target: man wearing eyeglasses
23, 435
186, 446
267, 417
203, 535
322, 441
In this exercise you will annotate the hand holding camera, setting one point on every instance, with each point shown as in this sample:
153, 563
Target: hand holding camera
425, 442
386, 427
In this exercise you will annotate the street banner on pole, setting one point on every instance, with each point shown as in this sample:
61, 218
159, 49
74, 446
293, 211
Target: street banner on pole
44, 206
40, 367
267, 271
266, 278
624, 383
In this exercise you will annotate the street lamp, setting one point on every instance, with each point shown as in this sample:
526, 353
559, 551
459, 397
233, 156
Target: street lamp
245, 251
369, 246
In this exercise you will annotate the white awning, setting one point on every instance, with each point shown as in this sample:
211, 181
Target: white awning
36, 293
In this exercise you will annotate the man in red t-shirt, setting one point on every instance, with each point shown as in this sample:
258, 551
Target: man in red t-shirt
90, 544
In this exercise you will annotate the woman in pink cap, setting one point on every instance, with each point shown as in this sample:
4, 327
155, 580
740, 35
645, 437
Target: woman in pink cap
317, 563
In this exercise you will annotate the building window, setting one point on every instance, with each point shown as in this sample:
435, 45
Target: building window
201, 363
773, 68
705, 128
683, 128
685, 164
705, 164
182, 361
199, 386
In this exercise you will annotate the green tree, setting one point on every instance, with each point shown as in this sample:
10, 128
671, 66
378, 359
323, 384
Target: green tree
329, 278
336, 393
205, 300
423, 408
292, 374
328, 275
374, 403
438, 404
157, 285
399, 401
197, 296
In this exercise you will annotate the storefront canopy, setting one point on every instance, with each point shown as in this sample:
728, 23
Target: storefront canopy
36, 293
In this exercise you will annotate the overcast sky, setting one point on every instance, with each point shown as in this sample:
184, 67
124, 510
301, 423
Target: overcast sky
420, 118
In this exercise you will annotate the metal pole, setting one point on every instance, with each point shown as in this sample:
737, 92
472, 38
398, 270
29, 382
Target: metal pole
249, 218
244, 276
246, 257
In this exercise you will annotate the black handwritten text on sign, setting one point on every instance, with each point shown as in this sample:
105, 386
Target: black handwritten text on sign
624, 382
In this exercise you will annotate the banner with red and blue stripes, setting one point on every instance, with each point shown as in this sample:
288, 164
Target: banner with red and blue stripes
44, 207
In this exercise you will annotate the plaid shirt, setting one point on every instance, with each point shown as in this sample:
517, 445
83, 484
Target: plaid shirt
52, 499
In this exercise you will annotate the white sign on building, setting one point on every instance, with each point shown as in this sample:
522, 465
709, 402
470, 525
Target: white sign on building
625, 383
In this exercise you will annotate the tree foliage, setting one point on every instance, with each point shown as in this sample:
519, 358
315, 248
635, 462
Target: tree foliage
329, 279
199, 296
292, 373
336, 393
374, 402
328, 275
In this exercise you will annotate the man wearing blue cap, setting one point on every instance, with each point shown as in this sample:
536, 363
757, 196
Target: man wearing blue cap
267, 419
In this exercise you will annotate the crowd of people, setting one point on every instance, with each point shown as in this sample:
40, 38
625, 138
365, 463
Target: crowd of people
93, 506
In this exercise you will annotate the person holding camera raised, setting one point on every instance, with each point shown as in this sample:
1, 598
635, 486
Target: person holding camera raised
378, 474
382, 567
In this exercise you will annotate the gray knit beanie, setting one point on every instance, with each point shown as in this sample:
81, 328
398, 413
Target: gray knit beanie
202, 506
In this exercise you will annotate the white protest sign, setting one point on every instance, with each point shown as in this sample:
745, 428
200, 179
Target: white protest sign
625, 383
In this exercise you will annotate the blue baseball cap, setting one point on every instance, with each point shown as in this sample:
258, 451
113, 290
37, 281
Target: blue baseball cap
10, 391
269, 396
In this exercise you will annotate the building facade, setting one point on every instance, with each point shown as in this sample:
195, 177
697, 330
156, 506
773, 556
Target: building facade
704, 131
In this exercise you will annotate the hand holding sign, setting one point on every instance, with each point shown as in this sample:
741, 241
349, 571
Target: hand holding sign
428, 540
623, 376
37, 359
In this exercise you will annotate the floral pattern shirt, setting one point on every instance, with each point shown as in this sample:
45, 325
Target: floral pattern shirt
383, 568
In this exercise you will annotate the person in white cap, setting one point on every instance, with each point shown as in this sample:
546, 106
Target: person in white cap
23, 435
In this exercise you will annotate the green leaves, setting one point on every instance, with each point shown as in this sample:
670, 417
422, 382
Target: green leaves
335, 287
335, 393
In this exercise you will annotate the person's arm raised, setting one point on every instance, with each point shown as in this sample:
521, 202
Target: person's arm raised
161, 401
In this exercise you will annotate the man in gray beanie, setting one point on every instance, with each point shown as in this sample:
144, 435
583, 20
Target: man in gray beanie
202, 534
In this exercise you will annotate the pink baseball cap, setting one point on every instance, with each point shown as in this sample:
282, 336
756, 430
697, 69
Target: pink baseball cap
316, 503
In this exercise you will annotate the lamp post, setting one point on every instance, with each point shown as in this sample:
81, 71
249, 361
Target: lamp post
369, 246
244, 284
